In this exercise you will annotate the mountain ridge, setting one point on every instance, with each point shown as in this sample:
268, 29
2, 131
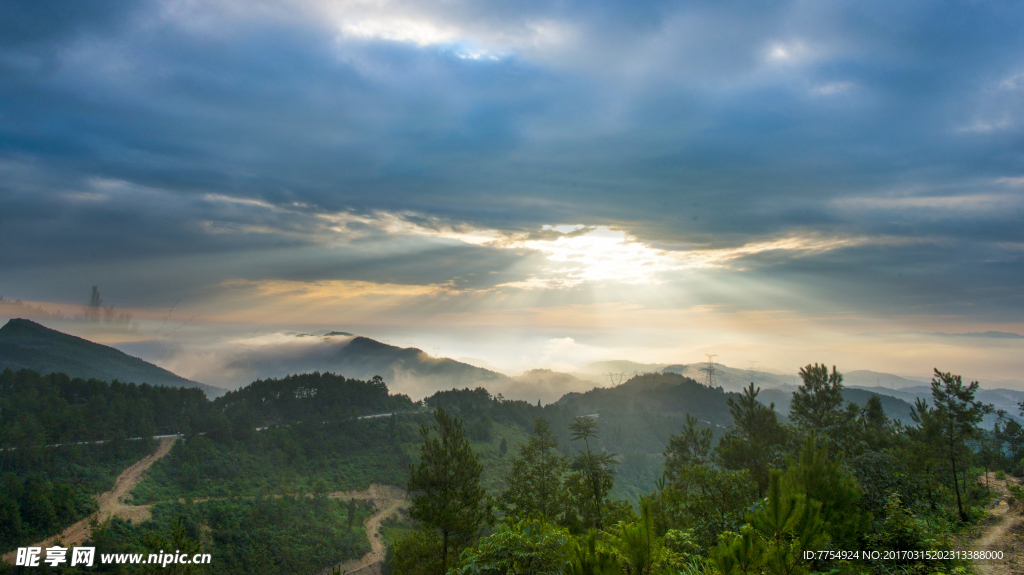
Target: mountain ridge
25, 344
407, 369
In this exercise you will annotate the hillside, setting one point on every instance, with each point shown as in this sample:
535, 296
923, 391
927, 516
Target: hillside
283, 457
865, 378
25, 344
408, 370
309, 397
545, 385
662, 393
1001, 399
895, 407
619, 366
732, 378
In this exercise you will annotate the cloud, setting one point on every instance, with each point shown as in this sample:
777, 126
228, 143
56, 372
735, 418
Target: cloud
514, 155
832, 88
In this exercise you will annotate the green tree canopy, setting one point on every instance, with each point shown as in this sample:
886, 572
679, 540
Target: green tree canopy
755, 441
691, 447
818, 402
445, 487
535, 483
593, 473
952, 419
523, 547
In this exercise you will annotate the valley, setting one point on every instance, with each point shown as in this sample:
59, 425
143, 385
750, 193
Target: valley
316, 465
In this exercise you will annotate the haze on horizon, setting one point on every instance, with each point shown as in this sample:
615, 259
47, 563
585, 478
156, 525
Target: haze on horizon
530, 184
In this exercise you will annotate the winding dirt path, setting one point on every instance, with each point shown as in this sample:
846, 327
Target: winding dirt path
389, 500
110, 503
1003, 530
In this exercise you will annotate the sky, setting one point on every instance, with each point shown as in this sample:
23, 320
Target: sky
532, 184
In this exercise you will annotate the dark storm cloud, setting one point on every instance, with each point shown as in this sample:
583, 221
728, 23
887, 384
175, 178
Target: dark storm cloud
917, 279
46, 22
699, 123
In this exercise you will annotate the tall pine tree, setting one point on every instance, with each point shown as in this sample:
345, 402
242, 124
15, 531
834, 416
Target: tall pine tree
445, 487
950, 422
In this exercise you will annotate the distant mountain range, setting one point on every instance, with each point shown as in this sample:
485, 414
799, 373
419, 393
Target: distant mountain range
895, 407
731, 378
409, 370
25, 344
865, 378
1001, 399
544, 385
673, 394
605, 369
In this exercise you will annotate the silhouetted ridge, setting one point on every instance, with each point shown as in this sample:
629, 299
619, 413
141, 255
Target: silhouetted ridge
371, 348
25, 344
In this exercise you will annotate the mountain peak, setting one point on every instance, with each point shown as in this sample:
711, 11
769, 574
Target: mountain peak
25, 344
22, 331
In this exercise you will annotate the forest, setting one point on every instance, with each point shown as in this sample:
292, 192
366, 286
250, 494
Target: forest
659, 475
815, 493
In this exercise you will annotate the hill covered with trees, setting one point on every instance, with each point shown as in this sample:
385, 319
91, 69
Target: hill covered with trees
363, 358
807, 495
659, 475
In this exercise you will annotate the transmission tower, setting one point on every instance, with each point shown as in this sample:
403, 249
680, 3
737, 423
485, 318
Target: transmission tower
616, 378
710, 370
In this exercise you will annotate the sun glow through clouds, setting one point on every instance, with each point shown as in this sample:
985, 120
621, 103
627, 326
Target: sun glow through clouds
603, 254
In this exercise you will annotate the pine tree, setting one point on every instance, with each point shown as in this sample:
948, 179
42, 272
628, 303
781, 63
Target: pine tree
824, 478
534, 485
817, 403
691, 447
445, 487
756, 439
952, 420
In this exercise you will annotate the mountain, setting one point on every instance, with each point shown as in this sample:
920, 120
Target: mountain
25, 344
865, 378
775, 388
619, 366
896, 407
368, 357
1007, 400
482, 363
544, 385
665, 394
731, 378
408, 370
638, 417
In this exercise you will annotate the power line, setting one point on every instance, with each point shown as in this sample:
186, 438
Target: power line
616, 378
710, 370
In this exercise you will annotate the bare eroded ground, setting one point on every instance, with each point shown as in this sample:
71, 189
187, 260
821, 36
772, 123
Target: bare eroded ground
1002, 531
111, 503
389, 500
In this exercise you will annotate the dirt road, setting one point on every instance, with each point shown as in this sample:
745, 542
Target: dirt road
389, 500
1002, 531
110, 503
